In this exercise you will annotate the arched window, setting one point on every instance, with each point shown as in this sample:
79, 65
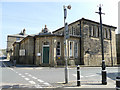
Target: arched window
58, 49
104, 30
46, 43
74, 31
95, 31
70, 31
92, 31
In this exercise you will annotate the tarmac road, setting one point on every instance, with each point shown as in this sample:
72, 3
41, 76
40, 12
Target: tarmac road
45, 77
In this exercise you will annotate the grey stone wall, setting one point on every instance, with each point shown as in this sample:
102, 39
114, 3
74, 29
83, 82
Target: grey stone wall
92, 47
27, 44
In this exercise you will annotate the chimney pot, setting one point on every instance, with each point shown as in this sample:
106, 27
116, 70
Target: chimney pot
24, 31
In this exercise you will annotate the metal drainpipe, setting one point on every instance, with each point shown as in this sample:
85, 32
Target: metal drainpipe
34, 50
80, 43
19, 54
111, 47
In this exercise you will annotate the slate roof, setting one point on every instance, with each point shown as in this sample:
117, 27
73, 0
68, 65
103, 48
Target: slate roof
18, 35
84, 20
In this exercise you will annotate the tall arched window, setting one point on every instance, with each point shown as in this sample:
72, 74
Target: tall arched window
58, 49
92, 31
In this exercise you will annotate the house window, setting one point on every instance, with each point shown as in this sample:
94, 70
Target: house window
94, 31
58, 49
71, 49
17, 38
70, 31
104, 30
91, 30
76, 49
74, 31
98, 31
60, 33
106, 33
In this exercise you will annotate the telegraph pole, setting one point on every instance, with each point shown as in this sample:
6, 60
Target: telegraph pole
66, 35
104, 81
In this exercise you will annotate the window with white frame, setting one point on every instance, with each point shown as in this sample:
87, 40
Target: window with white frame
92, 31
96, 29
17, 38
76, 49
70, 31
58, 49
104, 30
71, 49
108, 34
74, 31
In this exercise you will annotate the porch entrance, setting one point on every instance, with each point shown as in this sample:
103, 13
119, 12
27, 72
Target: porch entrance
46, 54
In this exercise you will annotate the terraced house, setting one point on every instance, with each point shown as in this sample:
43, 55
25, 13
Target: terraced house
47, 49
11, 39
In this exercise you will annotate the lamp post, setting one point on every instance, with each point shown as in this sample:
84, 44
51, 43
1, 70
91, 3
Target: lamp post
104, 81
65, 41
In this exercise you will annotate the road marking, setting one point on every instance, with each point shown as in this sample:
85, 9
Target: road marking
4, 64
29, 75
26, 73
32, 82
46, 84
34, 77
90, 76
39, 68
27, 79
40, 80
23, 76
38, 86
76, 75
20, 74
11, 68
83, 76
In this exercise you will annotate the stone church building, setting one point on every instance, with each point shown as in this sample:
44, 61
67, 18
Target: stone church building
47, 49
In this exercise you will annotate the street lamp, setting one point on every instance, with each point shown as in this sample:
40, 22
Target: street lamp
104, 81
65, 41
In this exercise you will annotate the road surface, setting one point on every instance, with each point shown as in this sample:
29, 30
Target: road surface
42, 77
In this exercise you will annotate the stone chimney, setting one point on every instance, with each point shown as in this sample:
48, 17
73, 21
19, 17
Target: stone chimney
45, 26
45, 29
24, 31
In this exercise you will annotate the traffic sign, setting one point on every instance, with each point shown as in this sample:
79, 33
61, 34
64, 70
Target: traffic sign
66, 31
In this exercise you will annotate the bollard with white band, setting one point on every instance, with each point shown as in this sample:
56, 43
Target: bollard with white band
118, 83
104, 74
78, 75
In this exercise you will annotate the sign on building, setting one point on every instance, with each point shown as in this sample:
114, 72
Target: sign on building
38, 54
22, 52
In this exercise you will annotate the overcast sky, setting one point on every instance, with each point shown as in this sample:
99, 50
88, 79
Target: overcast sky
33, 15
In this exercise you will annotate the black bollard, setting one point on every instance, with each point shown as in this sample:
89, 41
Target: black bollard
118, 83
104, 77
78, 75
104, 73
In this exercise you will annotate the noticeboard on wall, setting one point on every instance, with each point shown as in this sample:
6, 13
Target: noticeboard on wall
22, 52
